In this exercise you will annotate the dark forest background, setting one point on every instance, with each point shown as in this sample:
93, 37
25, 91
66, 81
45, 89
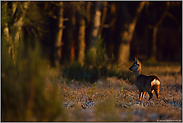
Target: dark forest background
47, 44
68, 31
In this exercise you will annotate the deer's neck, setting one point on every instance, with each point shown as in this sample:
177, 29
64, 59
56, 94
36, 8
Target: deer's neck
137, 73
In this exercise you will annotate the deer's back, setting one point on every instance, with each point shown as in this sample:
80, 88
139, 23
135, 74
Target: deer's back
145, 83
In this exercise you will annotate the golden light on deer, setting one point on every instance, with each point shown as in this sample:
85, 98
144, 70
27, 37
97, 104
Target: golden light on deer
145, 83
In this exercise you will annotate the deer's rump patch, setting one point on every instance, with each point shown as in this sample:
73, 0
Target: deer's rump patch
155, 82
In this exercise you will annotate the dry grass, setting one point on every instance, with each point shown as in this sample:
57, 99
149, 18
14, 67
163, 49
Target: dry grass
114, 99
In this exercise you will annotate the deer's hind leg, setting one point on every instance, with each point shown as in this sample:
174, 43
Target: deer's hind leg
156, 90
150, 95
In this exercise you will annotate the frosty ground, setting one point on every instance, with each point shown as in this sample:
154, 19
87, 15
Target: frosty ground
116, 99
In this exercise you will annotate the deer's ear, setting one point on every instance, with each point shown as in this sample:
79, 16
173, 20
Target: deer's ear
135, 59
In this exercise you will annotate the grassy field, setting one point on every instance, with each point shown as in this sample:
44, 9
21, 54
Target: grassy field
115, 98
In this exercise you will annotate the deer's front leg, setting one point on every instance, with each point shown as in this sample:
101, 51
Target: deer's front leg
143, 94
140, 94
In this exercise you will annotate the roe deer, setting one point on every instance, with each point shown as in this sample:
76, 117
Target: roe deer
145, 83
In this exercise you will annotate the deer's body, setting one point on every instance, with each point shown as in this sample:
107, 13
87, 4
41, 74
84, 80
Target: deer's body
145, 83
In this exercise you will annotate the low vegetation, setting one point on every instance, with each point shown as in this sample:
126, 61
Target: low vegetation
32, 91
116, 99
93, 86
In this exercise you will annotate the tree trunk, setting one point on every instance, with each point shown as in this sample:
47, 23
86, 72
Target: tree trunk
69, 35
124, 47
155, 19
94, 30
109, 30
18, 33
58, 43
6, 28
128, 26
73, 37
88, 12
104, 14
81, 37
154, 45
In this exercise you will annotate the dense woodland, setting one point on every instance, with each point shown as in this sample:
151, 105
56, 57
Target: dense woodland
59, 57
69, 31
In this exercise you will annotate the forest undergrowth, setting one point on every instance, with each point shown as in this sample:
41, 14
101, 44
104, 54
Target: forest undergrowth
48, 96
62, 64
33, 91
114, 98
